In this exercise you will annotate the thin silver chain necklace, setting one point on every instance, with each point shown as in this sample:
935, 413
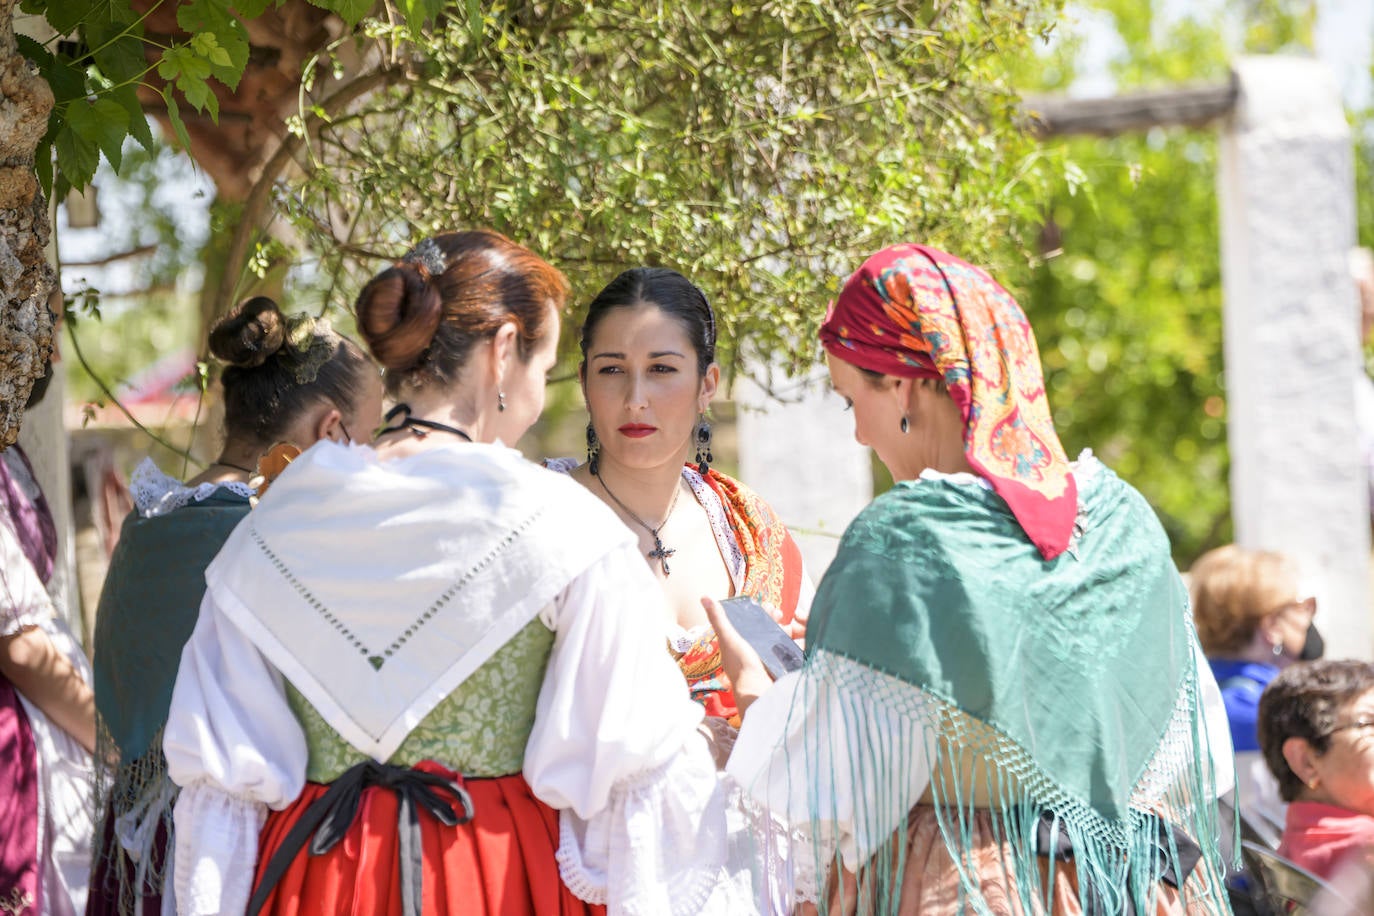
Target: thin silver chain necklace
659, 553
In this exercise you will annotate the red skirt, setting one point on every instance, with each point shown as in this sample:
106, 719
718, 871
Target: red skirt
501, 863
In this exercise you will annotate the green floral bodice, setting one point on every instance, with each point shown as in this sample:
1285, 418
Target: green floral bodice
478, 730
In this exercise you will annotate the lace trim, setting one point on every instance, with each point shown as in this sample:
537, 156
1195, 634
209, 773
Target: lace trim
720, 525
681, 640
158, 493
693, 889
780, 852
570, 868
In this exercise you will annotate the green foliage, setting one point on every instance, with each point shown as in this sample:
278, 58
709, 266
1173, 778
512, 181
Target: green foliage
761, 148
101, 57
1127, 301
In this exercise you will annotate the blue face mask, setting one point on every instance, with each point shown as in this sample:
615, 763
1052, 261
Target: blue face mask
1314, 646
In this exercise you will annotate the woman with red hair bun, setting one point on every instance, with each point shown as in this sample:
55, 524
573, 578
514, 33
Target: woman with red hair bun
429, 675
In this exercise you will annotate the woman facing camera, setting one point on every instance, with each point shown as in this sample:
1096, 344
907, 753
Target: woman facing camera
1316, 726
1002, 707
430, 678
648, 375
287, 379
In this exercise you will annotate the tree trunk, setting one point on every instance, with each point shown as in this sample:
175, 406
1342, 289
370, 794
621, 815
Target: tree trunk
26, 277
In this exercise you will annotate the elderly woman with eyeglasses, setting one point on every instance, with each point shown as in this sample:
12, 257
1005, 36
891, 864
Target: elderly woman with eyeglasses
1316, 726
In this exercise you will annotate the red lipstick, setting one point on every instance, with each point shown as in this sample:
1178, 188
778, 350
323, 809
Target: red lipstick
637, 430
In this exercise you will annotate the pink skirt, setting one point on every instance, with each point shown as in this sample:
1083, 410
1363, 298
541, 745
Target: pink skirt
20, 871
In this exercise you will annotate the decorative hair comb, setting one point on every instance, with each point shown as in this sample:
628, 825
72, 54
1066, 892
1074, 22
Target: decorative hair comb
428, 258
310, 344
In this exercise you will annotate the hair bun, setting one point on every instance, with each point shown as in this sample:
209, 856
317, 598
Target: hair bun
398, 313
250, 334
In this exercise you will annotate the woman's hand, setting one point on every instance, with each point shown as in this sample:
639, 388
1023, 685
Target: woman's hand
748, 677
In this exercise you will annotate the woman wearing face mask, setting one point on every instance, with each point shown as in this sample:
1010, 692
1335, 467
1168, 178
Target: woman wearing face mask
648, 375
430, 678
1253, 622
1003, 707
286, 380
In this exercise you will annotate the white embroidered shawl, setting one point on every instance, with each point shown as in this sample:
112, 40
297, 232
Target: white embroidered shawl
377, 587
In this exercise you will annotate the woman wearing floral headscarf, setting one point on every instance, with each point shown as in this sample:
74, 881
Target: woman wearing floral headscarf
1004, 708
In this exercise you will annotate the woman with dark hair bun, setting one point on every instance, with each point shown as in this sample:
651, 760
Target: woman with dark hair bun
439, 665
648, 375
287, 379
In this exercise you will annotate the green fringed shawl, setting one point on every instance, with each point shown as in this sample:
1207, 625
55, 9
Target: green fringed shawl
147, 610
1063, 688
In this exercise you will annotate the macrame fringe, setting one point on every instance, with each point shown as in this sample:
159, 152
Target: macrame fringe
139, 797
976, 770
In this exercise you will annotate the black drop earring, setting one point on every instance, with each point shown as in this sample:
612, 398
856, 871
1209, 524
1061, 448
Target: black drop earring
704, 456
593, 450
906, 425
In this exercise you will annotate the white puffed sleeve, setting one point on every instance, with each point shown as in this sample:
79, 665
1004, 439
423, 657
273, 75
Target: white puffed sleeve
615, 747
1218, 728
235, 748
842, 766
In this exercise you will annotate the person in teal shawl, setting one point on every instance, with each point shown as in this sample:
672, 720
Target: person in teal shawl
287, 380
1003, 707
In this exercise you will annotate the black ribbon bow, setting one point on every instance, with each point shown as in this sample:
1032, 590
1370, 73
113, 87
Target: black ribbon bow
327, 819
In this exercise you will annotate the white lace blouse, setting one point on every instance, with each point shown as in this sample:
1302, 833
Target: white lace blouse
65, 770
156, 492
615, 746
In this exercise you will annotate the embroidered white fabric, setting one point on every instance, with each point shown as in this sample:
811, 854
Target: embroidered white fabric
157, 493
223, 882
612, 708
672, 821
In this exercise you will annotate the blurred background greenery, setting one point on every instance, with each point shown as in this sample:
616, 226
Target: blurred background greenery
1111, 245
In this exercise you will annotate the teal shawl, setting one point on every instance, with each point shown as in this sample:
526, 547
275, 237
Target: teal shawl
1061, 688
147, 611
148, 608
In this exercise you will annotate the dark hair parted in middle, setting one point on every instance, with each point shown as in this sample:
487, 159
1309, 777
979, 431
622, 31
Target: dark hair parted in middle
279, 366
422, 316
667, 290
1306, 701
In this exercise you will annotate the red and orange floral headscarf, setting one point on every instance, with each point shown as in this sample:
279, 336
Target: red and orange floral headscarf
917, 312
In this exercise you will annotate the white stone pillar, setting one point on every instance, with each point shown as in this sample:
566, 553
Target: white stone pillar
797, 449
1287, 191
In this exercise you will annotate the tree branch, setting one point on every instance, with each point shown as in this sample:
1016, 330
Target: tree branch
258, 198
138, 252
